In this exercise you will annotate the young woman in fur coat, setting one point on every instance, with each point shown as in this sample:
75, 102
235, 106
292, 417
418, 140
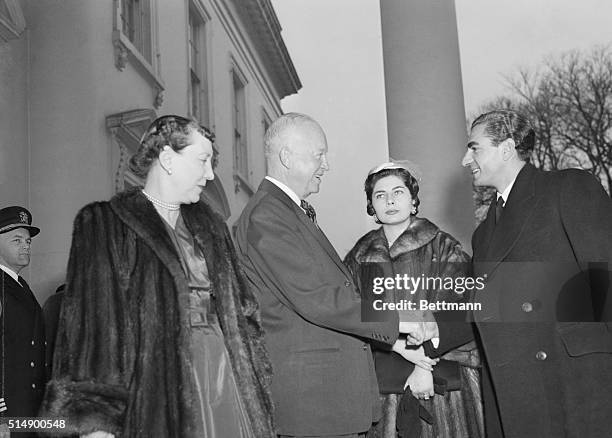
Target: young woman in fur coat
158, 335
408, 245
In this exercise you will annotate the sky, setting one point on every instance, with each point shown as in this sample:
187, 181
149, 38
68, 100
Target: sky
498, 36
336, 47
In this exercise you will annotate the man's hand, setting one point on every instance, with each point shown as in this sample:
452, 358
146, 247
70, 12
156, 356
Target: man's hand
419, 331
416, 356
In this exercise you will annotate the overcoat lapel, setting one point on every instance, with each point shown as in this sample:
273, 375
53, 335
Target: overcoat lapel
312, 229
28, 292
483, 237
521, 204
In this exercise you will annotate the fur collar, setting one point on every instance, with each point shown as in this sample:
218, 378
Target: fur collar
139, 214
419, 233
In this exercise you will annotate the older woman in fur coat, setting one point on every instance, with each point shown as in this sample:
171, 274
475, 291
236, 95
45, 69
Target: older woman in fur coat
408, 245
158, 335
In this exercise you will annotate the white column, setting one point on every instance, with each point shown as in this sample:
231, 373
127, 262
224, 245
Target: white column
425, 110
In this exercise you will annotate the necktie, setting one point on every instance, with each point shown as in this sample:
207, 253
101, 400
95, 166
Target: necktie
310, 211
499, 209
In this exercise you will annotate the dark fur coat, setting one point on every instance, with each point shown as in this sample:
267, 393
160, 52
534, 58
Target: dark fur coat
122, 362
422, 249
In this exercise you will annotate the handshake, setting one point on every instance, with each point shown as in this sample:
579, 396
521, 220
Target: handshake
418, 328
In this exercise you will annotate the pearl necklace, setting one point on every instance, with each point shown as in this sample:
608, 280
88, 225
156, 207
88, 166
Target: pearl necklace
160, 203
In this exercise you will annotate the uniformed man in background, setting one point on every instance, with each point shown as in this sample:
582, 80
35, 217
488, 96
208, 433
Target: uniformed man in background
22, 331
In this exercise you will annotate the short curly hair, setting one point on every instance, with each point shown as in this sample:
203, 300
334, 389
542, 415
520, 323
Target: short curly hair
501, 125
170, 130
409, 181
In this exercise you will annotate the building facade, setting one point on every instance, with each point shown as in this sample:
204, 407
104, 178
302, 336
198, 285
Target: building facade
80, 80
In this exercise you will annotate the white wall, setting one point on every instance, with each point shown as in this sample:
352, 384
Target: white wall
13, 123
56, 112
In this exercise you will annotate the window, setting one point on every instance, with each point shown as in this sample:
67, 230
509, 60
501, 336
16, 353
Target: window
12, 21
241, 162
135, 41
198, 84
136, 25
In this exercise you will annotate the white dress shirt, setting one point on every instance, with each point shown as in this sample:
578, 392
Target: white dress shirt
504, 195
10, 272
295, 198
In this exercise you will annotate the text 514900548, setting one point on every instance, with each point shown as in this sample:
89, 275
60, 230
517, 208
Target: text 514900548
33, 424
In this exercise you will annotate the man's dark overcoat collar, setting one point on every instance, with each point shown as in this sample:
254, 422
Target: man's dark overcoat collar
492, 241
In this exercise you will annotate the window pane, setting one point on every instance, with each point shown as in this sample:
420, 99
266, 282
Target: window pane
136, 25
198, 93
240, 145
127, 18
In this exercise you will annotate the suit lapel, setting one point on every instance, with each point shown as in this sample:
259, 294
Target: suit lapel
306, 223
521, 204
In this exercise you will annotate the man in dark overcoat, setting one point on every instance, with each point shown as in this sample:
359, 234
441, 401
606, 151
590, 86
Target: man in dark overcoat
544, 250
22, 335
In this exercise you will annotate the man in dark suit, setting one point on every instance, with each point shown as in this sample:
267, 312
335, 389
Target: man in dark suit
22, 335
324, 382
51, 313
544, 249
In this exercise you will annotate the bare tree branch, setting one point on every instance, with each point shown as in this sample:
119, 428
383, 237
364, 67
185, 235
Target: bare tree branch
568, 99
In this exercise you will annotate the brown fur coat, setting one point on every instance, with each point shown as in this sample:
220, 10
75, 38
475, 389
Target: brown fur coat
122, 361
422, 249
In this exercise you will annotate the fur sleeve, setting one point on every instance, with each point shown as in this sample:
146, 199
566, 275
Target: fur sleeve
91, 362
261, 407
452, 262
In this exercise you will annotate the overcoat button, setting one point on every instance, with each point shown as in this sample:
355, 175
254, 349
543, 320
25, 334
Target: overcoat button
541, 355
347, 283
365, 346
527, 307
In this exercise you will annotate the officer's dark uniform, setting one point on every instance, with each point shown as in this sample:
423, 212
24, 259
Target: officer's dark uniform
22, 334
